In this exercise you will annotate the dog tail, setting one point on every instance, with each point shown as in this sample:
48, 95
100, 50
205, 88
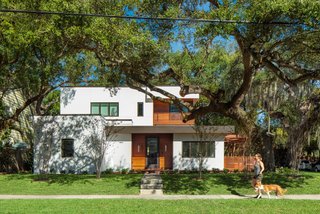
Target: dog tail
281, 191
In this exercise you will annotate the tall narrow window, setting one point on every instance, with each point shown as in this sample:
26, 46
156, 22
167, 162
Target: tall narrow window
140, 109
105, 109
113, 109
95, 108
67, 148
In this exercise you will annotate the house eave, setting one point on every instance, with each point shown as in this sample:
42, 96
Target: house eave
175, 129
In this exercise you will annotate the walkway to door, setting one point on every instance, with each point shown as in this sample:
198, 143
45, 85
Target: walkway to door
151, 184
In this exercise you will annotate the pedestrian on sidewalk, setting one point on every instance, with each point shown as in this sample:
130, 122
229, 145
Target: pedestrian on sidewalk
258, 168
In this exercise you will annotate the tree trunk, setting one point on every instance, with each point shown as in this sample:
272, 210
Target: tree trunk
200, 167
18, 155
296, 142
298, 134
98, 174
268, 151
98, 167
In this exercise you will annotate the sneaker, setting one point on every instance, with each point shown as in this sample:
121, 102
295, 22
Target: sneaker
257, 196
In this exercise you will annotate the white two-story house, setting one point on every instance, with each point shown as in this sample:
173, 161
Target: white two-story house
148, 133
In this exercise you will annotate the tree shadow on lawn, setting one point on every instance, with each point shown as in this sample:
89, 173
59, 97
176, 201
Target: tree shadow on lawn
287, 180
232, 182
130, 180
184, 184
235, 181
188, 184
63, 179
133, 181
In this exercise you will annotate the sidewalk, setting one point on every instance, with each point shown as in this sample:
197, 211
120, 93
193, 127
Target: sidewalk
157, 197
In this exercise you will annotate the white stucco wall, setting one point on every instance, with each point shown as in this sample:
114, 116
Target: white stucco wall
51, 130
118, 155
77, 100
180, 163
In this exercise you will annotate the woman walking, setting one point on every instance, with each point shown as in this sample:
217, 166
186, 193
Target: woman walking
258, 169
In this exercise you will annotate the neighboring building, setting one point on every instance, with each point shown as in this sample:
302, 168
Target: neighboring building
149, 133
15, 142
12, 100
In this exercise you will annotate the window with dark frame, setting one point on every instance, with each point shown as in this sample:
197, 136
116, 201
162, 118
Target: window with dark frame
67, 148
192, 149
140, 109
174, 109
105, 109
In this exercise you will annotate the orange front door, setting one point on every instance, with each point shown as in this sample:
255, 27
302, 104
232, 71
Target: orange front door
140, 150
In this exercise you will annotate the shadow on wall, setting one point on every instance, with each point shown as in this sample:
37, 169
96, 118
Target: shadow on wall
189, 163
67, 95
86, 132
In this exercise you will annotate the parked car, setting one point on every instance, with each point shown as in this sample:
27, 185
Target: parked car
316, 166
305, 165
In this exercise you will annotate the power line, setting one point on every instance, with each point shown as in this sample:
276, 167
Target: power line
216, 21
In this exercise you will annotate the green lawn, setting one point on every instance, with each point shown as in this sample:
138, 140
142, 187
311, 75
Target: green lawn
70, 184
114, 184
159, 206
239, 183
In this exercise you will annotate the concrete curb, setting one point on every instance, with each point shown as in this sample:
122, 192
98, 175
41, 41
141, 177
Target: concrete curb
156, 197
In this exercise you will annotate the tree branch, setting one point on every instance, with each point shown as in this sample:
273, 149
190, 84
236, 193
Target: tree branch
247, 73
278, 72
214, 3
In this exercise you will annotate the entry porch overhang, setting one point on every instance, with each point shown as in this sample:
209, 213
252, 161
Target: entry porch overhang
175, 129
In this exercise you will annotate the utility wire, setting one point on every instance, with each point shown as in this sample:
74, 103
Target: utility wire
217, 21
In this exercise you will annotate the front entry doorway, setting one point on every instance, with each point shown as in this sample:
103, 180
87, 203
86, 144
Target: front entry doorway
152, 152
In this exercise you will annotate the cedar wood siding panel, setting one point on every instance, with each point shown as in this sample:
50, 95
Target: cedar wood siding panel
138, 152
162, 116
166, 149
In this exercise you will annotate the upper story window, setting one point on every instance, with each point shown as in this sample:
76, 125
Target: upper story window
174, 109
105, 109
67, 148
140, 109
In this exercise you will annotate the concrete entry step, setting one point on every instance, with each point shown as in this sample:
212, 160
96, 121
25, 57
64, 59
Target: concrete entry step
151, 179
151, 184
151, 192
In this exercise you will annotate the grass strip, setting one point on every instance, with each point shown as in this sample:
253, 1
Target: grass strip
159, 206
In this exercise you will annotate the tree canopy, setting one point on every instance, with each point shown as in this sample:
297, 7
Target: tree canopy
221, 49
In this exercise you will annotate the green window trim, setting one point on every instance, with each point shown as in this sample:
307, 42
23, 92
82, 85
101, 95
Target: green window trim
110, 109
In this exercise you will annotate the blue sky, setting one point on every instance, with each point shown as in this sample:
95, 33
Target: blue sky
229, 44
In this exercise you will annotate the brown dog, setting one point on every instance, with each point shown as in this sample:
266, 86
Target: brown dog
267, 188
